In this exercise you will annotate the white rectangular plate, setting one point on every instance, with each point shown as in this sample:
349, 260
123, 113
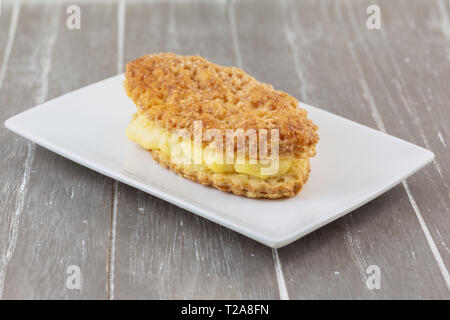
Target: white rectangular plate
354, 164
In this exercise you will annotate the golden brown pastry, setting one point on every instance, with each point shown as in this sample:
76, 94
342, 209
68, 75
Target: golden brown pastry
176, 95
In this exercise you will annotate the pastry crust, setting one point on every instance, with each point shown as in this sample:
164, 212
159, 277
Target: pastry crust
287, 185
175, 91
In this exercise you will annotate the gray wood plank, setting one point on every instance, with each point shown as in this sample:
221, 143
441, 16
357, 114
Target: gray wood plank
308, 56
5, 23
163, 251
410, 84
56, 213
10, 177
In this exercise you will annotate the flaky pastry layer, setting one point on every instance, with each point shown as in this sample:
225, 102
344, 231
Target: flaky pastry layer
176, 90
287, 185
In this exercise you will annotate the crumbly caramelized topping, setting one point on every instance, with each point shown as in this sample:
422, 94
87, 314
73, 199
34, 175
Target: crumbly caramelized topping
175, 91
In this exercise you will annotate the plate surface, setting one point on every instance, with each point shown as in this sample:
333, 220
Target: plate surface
354, 164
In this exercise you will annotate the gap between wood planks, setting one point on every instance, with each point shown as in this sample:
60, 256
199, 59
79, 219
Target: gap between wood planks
276, 259
375, 114
112, 249
111, 255
277, 263
40, 98
379, 122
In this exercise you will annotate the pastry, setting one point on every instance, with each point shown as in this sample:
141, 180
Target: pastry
219, 126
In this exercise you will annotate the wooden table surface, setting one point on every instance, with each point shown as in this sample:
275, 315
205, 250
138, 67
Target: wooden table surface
55, 213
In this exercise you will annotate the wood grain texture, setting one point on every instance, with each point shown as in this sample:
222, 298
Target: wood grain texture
128, 244
10, 177
314, 62
410, 79
57, 212
163, 251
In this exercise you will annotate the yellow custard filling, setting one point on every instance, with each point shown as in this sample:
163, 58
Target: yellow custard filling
150, 136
